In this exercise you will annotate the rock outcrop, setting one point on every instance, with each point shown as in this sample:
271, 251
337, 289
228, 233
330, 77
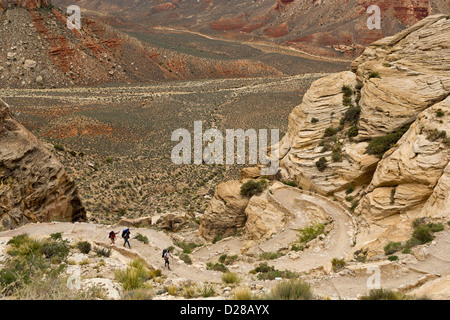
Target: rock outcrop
225, 214
34, 186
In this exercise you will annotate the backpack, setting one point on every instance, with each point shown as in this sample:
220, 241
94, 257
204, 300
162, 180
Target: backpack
164, 252
124, 233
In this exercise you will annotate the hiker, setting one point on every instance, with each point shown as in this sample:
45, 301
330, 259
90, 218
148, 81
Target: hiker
166, 256
126, 237
112, 236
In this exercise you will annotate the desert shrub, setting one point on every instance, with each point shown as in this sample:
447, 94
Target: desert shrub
321, 164
216, 267
436, 134
102, 252
350, 189
374, 74
227, 260
336, 155
289, 183
142, 238
58, 147
189, 292
230, 277
185, 257
266, 272
330, 131
314, 120
310, 233
349, 198
134, 276
423, 234
355, 204
55, 250
351, 115
297, 247
347, 101
392, 258
56, 236
155, 273
84, 246
292, 290
347, 91
270, 255
217, 238
353, 132
392, 247
384, 294
440, 113
379, 145
338, 264
359, 86
253, 187
187, 247
206, 291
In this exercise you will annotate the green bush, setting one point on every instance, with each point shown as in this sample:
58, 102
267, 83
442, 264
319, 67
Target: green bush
350, 189
392, 258
440, 113
314, 120
436, 134
289, 183
378, 146
56, 250
187, 247
321, 164
58, 147
353, 132
270, 255
330, 131
84, 247
347, 91
374, 74
351, 115
102, 252
338, 264
216, 267
384, 294
134, 277
392, 247
142, 238
253, 187
423, 234
310, 233
292, 290
206, 290
266, 272
185, 257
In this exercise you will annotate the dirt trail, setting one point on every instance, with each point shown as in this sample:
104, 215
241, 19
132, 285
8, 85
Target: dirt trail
98, 234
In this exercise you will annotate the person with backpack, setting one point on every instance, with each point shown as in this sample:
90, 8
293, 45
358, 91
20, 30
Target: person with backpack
166, 256
112, 236
126, 237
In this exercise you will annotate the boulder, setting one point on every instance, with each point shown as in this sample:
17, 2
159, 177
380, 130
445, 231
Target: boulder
34, 187
225, 214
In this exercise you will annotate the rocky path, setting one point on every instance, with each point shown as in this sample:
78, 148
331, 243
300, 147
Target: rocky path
98, 234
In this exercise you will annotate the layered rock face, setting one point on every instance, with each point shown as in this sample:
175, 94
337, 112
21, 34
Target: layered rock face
402, 84
34, 186
29, 4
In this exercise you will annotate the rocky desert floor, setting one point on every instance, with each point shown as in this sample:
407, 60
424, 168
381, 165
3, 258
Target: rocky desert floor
116, 143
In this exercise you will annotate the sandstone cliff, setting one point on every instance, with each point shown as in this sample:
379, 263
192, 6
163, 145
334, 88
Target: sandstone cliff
399, 88
377, 139
34, 186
